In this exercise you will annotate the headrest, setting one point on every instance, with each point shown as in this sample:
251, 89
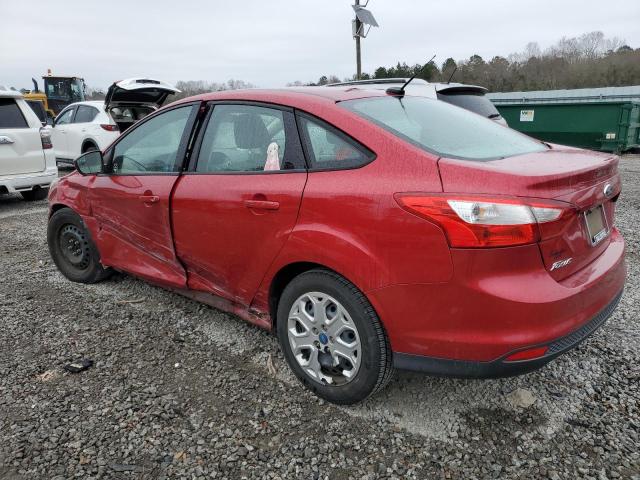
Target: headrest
250, 132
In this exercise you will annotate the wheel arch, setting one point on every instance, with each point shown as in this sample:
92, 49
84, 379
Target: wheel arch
57, 206
88, 142
285, 275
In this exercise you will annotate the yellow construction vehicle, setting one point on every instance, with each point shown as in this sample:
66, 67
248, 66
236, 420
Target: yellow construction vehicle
59, 91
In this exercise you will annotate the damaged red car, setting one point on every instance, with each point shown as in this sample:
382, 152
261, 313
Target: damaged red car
370, 230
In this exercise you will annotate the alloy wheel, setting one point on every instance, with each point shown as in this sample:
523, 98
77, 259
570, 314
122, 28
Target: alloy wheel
324, 339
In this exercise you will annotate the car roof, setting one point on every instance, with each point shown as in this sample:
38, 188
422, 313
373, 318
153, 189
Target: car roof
93, 103
6, 93
290, 95
440, 87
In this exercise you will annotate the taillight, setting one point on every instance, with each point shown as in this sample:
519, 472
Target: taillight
472, 222
109, 128
45, 138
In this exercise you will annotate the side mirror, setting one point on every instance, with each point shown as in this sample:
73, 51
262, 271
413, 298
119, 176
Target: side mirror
90, 163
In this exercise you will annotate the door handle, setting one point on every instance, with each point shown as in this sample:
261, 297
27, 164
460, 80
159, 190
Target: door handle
262, 204
149, 198
4, 140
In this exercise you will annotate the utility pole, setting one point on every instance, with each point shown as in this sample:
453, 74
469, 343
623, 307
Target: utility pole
364, 18
358, 58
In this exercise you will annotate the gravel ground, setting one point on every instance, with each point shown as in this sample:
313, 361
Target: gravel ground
181, 390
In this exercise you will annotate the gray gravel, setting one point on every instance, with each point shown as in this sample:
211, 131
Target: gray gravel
181, 390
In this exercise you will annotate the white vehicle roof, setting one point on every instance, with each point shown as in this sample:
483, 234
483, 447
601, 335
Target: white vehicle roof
416, 85
6, 93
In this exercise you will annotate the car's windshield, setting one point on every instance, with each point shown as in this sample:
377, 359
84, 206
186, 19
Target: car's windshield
443, 129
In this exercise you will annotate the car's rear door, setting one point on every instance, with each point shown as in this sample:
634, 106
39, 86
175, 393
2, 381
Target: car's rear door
131, 204
20, 143
233, 211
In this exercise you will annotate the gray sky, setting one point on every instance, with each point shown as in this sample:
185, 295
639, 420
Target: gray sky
272, 42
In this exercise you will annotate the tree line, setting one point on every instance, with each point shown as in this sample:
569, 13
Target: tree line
589, 60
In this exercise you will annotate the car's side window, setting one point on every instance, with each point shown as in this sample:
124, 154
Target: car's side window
249, 138
330, 149
85, 114
65, 117
10, 114
153, 146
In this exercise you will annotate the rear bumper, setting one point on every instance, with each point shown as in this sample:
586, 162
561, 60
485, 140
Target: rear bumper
501, 367
499, 301
27, 181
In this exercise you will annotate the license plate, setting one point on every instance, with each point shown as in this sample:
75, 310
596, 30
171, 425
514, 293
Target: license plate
596, 225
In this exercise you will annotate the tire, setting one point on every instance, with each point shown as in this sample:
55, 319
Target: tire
37, 194
358, 332
72, 248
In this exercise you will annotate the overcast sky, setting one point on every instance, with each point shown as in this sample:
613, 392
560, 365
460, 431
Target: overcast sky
272, 42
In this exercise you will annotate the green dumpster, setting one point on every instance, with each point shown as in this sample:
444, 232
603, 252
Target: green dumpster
585, 118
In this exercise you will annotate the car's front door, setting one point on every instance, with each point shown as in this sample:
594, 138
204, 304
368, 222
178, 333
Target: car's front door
233, 211
131, 202
60, 131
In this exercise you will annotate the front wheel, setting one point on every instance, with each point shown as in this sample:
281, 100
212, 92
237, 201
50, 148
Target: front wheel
332, 338
72, 249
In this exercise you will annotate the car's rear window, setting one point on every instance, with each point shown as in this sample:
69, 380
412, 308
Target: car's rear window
10, 114
473, 101
443, 129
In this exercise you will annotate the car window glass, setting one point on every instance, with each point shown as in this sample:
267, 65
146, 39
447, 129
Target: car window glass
85, 114
328, 149
474, 102
152, 147
64, 117
244, 138
440, 128
38, 108
10, 114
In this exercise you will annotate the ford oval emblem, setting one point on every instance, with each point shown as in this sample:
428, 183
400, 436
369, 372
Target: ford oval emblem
608, 190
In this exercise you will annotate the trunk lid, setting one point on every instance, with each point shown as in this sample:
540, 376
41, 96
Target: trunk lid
584, 180
139, 91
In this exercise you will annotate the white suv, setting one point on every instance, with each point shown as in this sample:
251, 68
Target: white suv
27, 162
93, 125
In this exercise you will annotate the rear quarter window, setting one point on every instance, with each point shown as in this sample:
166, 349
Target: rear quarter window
330, 149
38, 109
10, 114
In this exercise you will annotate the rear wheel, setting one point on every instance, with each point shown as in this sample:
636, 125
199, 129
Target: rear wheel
72, 249
332, 338
36, 194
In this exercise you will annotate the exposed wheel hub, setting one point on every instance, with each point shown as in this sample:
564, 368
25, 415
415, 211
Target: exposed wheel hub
74, 246
324, 339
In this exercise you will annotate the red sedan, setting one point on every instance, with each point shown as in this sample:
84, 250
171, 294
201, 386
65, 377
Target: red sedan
369, 230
